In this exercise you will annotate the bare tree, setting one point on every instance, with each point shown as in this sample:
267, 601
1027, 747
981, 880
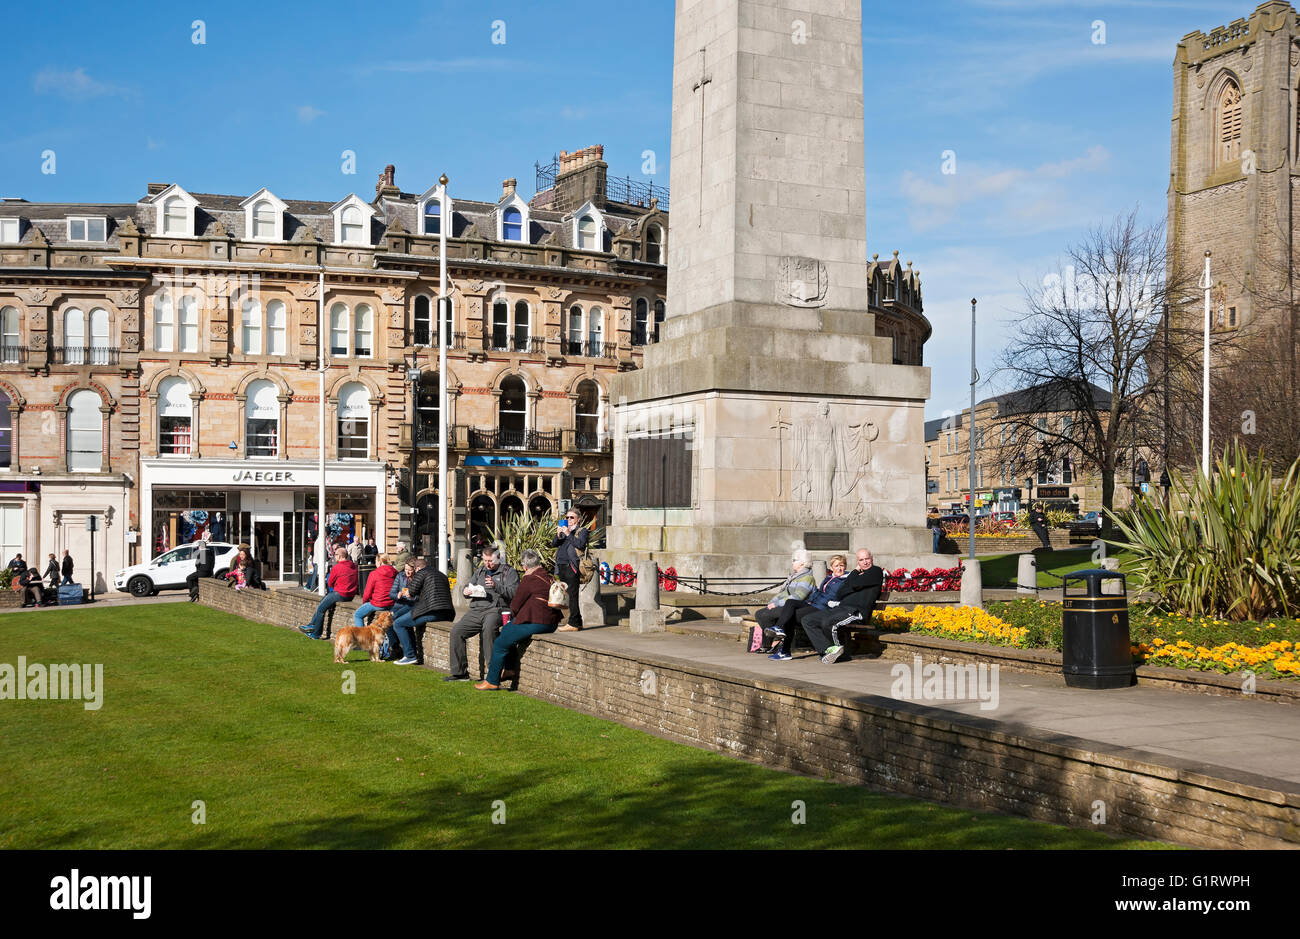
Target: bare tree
1091, 352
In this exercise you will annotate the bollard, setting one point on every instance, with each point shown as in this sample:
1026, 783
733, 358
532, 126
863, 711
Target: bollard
972, 584
1027, 575
647, 617
1111, 586
818, 572
593, 610
464, 571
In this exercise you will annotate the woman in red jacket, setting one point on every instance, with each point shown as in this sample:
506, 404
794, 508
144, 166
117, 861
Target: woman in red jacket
378, 586
530, 616
342, 583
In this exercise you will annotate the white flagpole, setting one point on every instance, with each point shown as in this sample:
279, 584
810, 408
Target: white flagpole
320, 492
1205, 379
444, 221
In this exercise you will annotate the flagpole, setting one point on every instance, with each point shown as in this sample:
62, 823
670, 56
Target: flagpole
444, 221
1205, 379
320, 492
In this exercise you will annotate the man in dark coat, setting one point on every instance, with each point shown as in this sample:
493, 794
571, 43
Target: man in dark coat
67, 567
1038, 522
205, 561
431, 595
17, 565
490, 589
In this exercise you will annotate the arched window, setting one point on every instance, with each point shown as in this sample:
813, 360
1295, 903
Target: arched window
175, 217
74, 337
263, 220
432, 217
10, 349
422, 324
659, 318
512, 224
276, 328
175, 417
339, 329
587, 233
447, 322
654, 241
521, 325
99, 350
365, 330
262, 419
427, 424
85, 432
354, 421
351, 225
1227, 125
512, 415
500, 324
250, 327
586, 418
6, 432
189, 323
595, 331
641, 322
575, 330
164, 322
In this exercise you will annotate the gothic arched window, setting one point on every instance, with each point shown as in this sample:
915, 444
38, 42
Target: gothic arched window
1227, 125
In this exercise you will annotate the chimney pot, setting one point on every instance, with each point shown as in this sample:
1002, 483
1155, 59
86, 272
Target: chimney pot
508, 187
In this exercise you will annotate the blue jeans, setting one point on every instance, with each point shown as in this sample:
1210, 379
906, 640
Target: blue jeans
359, 617
510, 635
311, 581
404, 627
326, 604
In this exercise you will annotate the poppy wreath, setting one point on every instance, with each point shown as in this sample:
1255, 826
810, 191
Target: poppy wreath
667, 578
605, 572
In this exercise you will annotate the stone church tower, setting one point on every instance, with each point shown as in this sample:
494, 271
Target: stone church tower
1235, 163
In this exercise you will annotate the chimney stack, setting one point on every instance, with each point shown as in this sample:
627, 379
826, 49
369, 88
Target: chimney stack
387, 185
508, 188
581, 177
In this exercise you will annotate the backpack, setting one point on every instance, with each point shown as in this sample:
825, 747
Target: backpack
586, 567
761, 639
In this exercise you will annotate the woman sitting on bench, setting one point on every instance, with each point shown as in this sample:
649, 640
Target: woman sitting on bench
794, 612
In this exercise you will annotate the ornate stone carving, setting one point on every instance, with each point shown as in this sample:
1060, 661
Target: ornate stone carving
36, 295
128, 227
219, 329
131, 342
474, 286
392, 295
131, 321
395, 317
304, 291
621, 301
830, 459
307, 335
38, 340
801, 282
125, 298
217, 230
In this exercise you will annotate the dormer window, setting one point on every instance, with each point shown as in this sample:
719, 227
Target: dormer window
264, 216
85, 228
9, 230
433, 210
654, 241
352, 221
175, 212
432, 218
512, 225
589, 228
587, 233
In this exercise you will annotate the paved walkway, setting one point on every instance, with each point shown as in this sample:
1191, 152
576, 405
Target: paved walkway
1223, 736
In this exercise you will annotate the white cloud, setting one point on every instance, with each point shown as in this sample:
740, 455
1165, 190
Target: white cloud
73, 84
307, 114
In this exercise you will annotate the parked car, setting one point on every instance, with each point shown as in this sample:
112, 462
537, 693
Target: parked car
1089, 522
1004, 516
169, 569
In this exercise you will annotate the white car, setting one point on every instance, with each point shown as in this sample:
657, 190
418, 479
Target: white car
170, 569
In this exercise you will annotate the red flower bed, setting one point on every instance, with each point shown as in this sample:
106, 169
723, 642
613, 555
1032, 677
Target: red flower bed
919, 579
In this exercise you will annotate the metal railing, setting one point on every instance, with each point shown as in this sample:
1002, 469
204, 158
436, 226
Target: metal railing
597, 349
587, 441
500, 438
424, 433
84, 355
12, 354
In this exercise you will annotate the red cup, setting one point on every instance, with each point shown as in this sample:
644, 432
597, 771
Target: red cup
505, 617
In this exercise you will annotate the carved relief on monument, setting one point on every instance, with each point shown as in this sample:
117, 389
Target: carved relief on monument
828, 460
801, 282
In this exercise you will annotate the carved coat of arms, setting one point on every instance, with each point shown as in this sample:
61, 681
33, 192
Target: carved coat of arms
801, 282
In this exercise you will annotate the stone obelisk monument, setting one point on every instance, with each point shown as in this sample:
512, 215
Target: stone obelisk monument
769, 412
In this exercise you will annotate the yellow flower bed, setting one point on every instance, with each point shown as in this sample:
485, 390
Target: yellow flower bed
965, 623
1281, 657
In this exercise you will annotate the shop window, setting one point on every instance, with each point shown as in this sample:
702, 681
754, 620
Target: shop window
354, 421
262, 420
175, 413
85, 432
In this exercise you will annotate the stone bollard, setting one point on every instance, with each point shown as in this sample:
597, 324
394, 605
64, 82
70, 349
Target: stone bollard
1027, 575
647, 617
972, 584
593, 611
464, 571
1111, 586
818, 572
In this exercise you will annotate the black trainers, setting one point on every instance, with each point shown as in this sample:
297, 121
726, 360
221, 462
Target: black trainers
456, 678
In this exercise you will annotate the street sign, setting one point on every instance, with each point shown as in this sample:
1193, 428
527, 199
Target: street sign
1145, 488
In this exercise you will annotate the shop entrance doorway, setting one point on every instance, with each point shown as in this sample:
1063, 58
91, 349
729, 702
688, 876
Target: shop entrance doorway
266, 548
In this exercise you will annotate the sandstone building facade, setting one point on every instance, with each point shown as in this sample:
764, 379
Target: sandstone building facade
159, 361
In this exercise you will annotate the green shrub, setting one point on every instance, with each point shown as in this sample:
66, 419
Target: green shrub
518, 531
1232, 552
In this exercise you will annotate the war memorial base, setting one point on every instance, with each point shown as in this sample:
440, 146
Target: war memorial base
1200, 770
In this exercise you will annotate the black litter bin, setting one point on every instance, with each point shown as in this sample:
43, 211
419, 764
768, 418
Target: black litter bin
1096, 650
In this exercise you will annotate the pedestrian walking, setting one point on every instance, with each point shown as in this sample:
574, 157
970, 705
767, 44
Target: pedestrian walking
67, 567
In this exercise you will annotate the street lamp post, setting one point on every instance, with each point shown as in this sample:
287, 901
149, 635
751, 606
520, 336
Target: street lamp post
443, 222
974, 378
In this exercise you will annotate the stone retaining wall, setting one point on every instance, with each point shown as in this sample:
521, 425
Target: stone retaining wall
894, 746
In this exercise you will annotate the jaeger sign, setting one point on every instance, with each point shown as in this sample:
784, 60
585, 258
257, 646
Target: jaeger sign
263, 476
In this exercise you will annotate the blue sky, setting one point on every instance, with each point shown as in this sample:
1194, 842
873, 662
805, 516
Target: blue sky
1052, 131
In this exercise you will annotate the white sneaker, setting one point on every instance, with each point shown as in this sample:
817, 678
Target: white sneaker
407, 660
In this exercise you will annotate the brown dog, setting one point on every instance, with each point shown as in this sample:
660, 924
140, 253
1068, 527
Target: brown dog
367, 638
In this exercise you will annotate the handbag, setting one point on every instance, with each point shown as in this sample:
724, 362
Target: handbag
558, 598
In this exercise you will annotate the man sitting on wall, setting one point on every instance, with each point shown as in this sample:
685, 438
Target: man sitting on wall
342, 583
205, 561
856, 603
490, 591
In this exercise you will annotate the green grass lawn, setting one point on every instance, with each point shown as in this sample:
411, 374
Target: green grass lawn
251, 719
1000, 570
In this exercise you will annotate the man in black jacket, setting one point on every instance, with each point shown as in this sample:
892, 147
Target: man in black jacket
856, 603
490, 590
430, 594
205, 561
1038, 522
67, 567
